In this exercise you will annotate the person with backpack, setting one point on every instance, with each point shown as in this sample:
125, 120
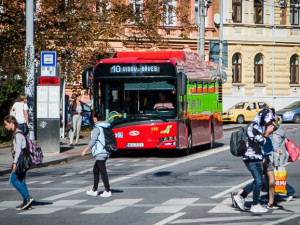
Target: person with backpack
21, 161
101, 154
258, 132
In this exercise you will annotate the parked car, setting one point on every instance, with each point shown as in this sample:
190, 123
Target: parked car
290, 113
243, 111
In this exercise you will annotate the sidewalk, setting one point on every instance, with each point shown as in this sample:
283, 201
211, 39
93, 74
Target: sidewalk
65, 154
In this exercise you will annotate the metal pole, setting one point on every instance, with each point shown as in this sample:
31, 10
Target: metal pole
29, 66
202, 28
221, 37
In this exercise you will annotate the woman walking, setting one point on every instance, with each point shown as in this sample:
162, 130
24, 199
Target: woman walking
18, 174
97, 144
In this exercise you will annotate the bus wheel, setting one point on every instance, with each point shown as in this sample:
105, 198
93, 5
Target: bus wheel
188, 150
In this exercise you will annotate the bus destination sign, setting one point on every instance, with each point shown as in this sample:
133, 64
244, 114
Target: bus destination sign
138, 68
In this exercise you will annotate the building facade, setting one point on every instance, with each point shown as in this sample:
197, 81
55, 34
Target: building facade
263, 39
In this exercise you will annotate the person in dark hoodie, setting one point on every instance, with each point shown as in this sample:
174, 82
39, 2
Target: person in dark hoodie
258, 133
97, 144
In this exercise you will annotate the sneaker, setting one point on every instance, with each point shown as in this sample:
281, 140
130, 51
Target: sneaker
258, 209
92, 193
240, 201
232, 199
106, 194
273, 206
20, 206
289, 198
26, 203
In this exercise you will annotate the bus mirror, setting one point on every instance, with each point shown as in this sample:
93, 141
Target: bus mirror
86, 77
183, 84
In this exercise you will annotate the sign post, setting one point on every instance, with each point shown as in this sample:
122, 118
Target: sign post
48, 104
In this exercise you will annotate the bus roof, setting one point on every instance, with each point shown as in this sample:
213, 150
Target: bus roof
191, 63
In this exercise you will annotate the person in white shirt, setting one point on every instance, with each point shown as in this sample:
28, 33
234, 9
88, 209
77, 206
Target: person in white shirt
20, 111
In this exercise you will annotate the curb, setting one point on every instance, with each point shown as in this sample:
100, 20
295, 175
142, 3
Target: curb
53, 162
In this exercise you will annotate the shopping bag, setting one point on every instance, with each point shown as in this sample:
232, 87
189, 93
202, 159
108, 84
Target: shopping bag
280, 180
293, 150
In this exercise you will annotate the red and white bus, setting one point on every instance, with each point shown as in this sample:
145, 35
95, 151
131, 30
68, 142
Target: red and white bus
159, 100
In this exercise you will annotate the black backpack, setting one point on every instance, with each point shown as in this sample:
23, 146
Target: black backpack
110, 139
238, 142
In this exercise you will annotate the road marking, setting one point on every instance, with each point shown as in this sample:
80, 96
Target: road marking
240, 186
42, 211
223, 219
85, 171
112, 206
283, 220
173, 205
224, 207
47, 182
170, 218
151, 170
208, 170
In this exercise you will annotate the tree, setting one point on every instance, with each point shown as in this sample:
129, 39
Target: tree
80, 31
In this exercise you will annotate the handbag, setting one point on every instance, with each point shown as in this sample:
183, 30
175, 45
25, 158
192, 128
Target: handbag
293, 150
280, 180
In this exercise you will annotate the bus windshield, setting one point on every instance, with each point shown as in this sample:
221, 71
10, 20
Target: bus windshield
136, 99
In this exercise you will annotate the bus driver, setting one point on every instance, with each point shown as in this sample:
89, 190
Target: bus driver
162, 103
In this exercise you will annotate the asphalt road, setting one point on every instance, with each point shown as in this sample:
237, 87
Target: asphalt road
147, 189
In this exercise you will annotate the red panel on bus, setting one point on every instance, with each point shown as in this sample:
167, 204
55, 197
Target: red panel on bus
147, 136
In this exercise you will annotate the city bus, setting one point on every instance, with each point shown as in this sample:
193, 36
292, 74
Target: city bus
164, 100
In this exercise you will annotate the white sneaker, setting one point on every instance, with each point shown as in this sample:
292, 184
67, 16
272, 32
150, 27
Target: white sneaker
106, 194
289, 198
258, 209
92, 193
240, 201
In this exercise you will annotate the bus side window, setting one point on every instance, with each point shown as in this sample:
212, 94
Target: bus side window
199, 87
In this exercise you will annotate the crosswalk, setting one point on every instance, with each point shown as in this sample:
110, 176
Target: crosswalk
171, 206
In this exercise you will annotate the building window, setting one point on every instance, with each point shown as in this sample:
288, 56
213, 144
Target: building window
237, 11
197, 16
169, 13
137, 8
294, 69
258, 11
258, 68
103, 7
236, 68
294, 12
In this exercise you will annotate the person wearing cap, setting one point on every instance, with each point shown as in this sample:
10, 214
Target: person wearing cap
258, 132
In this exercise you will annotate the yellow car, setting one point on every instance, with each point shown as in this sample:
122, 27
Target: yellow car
243, 111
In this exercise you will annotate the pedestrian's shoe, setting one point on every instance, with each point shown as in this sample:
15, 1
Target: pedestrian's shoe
20, 206
232, 199
92, 193
273, 206
258, 209
289, 198
240, 201
26, 203
106, 194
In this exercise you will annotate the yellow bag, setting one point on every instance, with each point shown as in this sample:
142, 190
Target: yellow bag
280, 180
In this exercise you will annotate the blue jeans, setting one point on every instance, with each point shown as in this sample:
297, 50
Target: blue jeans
20, 186
256, 169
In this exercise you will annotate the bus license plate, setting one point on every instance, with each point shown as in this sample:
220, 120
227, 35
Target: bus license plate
134, 145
